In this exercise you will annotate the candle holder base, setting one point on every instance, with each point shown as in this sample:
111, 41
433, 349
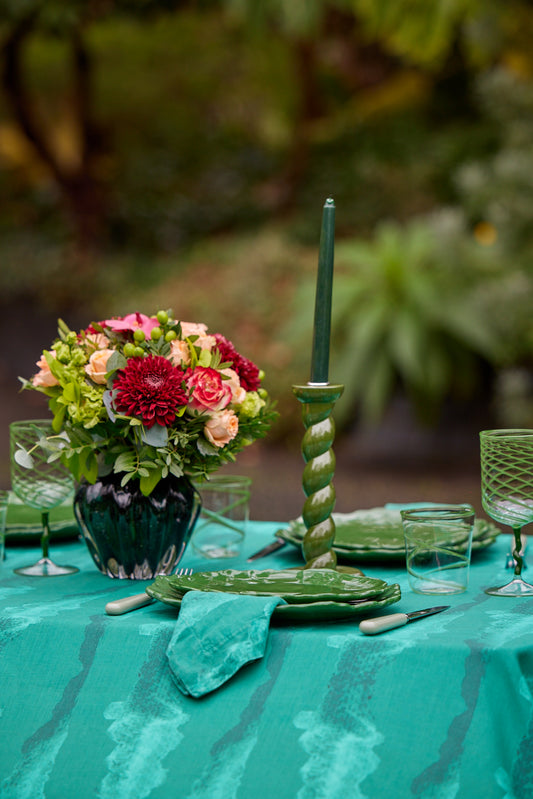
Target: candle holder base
318, 402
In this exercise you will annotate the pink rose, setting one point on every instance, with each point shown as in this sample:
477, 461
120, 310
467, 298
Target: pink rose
208, 391
44, 376
238, 393
221, 428
133, 322
97, 366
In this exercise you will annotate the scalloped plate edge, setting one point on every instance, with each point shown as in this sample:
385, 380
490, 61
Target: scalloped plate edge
315, 611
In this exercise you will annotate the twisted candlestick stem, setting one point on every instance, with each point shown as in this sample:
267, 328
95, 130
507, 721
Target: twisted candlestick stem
318, 402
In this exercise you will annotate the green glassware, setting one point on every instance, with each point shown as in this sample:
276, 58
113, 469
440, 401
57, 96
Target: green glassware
39, 483
133, 536
507, 492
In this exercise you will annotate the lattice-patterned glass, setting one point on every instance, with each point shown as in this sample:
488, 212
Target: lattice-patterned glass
41, 482
507, 491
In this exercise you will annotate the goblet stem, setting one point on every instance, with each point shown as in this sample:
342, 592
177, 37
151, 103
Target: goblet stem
517, 586
45, 535
519, 560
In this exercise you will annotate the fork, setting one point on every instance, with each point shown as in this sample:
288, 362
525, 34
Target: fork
119, 606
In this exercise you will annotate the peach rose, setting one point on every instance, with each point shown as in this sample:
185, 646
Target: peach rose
97, 366
193, 329
221, 428
238, 393
179, 353
44, 376
98, 341
204, 341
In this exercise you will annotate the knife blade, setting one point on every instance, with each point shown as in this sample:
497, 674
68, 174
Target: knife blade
273, 547
383, 623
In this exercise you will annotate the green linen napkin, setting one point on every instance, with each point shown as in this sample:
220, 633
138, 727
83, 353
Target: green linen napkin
216, 634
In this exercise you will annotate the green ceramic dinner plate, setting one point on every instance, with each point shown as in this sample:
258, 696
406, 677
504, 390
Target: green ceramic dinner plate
23, 523
311, 594
376, 534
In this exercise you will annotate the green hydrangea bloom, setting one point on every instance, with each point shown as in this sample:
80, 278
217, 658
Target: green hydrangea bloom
251, 405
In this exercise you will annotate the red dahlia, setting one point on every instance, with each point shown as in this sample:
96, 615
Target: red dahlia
247, 370
150, 389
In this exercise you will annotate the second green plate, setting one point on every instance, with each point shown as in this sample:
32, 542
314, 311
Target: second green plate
311, 594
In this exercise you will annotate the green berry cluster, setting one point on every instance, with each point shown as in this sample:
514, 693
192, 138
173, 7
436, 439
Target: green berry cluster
159, 341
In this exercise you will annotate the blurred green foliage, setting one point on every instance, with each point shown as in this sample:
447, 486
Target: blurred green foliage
178, 153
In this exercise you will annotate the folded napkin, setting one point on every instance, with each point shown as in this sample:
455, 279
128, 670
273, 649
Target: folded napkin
217, 633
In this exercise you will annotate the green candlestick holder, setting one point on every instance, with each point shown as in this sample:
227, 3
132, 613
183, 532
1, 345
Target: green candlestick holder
318, 402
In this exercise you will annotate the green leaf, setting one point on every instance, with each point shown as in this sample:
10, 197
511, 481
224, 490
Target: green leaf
125, 462
204, 358
147, 483
70, 392
90, 470
59, 410
176, 470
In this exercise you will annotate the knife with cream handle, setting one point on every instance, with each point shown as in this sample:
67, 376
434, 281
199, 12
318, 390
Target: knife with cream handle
383, 623
119, 606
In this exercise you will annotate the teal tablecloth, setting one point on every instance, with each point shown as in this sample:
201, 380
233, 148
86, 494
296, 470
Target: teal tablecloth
438, 709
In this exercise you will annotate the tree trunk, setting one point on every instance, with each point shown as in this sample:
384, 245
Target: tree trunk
82, 192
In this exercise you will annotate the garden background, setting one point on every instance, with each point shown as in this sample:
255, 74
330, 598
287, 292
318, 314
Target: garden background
177, 155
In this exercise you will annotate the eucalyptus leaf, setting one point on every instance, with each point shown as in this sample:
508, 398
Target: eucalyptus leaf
205, 448
23, 458
108, 399
156, 436
116, 361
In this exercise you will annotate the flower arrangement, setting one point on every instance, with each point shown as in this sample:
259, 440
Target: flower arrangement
150, 396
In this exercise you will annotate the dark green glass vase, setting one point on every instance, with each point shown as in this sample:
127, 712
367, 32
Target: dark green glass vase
132, 536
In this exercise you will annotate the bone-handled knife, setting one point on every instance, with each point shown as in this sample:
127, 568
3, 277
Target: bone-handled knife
119, 606
383, 623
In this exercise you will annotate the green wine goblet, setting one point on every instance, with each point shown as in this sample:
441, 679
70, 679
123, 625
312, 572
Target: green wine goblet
41, 482
507, 492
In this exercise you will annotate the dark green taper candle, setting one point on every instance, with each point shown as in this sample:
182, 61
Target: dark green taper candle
324, 286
